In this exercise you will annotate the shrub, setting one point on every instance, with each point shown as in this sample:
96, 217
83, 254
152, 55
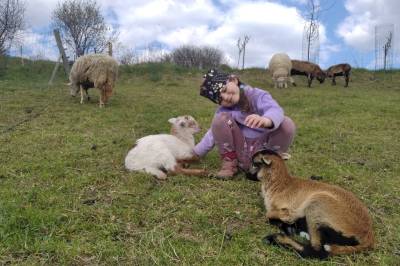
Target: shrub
197, 57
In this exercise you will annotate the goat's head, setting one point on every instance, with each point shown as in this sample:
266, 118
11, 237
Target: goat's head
321, 76
185, 123
262, 163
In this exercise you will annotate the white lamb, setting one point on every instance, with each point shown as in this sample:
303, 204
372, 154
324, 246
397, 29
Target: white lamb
280, 67
162, 154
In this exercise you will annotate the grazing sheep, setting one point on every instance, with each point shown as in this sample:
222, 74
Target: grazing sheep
335, 220
94, 71
308, 69
162, 154
279, 67
339, 70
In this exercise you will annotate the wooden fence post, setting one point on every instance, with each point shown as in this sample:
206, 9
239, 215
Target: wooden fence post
110, 51
22, 59
54, 71
62, 51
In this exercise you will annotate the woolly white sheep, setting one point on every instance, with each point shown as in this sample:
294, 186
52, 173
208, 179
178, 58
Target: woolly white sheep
162, 154
94, 71
279, 67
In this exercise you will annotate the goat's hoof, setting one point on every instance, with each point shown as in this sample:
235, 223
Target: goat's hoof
270, 239
211, 175
316, 177
223, 178
286, 156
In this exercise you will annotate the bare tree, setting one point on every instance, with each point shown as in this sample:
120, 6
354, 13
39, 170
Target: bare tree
125, 55
82, 26
240, 49
311, 32
11, 21
245, 41
311, 28
386, 50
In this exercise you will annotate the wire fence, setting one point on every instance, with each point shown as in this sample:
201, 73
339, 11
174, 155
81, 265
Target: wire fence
43, 46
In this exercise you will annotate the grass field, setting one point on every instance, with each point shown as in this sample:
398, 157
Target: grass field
65, 197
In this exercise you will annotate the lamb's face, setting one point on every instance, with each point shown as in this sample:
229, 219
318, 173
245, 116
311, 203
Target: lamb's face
187, 123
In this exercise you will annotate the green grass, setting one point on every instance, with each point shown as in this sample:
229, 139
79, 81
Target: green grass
65, 197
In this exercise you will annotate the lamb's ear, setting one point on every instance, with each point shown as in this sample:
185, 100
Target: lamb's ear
266, 160
172, 120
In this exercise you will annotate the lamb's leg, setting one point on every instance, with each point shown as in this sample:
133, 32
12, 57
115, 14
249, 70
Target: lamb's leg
304, 250
156, 172
298, 227
281, 217
81, 91
194, 172
192, 159
102, 96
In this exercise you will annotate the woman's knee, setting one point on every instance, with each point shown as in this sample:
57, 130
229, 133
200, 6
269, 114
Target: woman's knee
287, 127
221, 120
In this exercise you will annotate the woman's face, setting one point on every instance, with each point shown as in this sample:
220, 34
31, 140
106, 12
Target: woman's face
230, 94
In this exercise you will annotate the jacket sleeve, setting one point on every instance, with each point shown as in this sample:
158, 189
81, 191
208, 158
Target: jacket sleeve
269, 108
205, 145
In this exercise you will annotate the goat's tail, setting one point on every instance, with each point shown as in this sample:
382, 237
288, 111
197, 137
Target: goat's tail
367, 243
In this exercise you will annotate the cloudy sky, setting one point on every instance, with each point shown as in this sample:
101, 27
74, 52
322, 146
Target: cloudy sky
347, 30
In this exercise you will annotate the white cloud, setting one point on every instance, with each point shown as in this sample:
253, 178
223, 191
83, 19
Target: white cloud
35, 45
38, 12
272, 26
358, 28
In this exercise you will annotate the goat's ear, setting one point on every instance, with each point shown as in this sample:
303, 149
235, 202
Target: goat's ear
172, 120
266, 160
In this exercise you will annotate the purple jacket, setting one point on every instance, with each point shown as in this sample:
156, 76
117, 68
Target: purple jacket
262, 104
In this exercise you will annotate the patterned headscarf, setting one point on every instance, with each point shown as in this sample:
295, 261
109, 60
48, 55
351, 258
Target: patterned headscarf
212, 85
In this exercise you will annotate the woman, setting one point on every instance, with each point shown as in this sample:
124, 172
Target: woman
247, 120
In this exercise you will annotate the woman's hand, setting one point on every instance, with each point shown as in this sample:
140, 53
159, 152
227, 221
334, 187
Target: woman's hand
256, 121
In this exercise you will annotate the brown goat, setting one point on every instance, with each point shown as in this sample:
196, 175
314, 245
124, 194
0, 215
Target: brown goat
339, 70
336, 221
308, 69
